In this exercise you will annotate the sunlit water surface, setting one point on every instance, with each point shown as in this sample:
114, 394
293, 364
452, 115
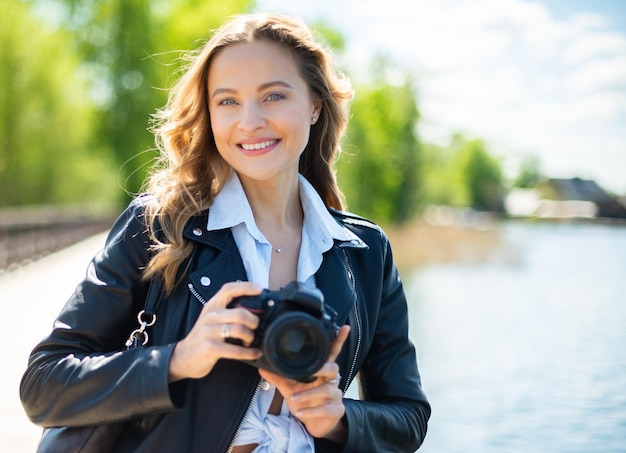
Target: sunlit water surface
526, 352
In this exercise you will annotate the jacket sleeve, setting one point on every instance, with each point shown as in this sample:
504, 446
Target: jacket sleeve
79, 374
393, 411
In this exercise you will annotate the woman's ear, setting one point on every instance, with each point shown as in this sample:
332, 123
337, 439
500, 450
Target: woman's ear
317, 110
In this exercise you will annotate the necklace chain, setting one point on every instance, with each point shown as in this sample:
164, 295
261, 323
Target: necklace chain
285, 247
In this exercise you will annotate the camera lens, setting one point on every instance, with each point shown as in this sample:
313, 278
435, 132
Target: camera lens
296, 345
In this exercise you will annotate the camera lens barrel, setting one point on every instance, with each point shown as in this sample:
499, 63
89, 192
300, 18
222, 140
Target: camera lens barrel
296, 345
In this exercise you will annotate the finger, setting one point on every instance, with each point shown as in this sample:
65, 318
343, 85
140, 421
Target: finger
329, 374
229, 291
335, 347
232, 316
321, 395
233, 331
332, 411
235, 352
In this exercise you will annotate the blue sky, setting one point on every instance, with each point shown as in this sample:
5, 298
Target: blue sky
544, 78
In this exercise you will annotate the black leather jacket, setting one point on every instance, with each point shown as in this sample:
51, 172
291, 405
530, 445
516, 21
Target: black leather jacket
77, 375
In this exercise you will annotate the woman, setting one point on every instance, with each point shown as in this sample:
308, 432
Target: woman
246, 199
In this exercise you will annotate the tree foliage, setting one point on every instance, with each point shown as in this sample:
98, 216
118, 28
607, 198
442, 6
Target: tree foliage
46, 151
379, 170
482, 175
463, 174
529, 174
442, 183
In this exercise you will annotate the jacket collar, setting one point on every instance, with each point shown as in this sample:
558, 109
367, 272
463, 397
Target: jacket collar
196, 231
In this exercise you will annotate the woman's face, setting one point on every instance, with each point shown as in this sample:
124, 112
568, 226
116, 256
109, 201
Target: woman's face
261, 109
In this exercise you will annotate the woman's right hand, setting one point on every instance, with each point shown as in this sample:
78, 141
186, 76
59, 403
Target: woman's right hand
196, 354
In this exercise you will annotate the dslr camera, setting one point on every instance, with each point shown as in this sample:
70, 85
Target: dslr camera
295, 330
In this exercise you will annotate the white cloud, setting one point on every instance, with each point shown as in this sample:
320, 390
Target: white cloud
594, 44
599, 74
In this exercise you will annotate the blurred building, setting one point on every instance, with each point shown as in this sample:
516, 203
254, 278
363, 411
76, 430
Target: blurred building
564, 198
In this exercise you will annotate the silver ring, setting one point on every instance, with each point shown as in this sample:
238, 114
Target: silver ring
335, 380
225, 331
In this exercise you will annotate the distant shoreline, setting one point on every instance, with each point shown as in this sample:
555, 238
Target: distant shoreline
421, 243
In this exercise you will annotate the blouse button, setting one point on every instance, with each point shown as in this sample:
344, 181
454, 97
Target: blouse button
197, 231
205, 281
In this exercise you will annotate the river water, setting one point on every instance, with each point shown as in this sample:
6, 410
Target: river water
526, 350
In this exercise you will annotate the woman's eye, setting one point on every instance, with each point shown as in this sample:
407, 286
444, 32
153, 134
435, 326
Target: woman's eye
275, 97
227, 101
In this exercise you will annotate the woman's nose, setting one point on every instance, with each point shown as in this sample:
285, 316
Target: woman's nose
252, 118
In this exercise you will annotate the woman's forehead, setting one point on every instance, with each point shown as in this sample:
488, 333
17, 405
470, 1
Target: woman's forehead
257, 62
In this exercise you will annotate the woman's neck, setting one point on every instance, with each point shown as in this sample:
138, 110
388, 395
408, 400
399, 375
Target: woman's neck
275, 206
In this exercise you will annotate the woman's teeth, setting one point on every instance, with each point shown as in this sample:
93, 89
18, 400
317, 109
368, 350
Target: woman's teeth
255, 146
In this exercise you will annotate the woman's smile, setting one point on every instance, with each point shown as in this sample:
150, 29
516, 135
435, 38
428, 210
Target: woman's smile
259, 147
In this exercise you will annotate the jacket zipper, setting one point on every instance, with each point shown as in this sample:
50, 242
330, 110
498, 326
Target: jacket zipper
196, 294
245, 416
357, 320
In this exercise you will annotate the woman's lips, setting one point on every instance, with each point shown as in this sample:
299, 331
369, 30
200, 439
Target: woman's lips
260, 147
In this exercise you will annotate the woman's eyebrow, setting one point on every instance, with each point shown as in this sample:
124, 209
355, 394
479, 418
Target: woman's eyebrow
263, 86
280, 83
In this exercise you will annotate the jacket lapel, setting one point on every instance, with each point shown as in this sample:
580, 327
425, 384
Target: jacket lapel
218, 262
334, 280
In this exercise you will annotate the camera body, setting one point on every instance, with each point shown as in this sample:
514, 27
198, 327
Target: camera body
295, 330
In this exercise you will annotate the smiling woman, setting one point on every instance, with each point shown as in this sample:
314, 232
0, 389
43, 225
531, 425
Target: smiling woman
244, 208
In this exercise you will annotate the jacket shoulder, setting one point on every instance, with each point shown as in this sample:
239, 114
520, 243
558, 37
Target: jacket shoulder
354, 220
131, 225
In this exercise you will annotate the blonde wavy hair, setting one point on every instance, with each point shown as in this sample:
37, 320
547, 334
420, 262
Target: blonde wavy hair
191, 171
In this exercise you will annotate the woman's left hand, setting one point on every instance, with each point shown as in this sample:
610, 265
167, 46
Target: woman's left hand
318, 404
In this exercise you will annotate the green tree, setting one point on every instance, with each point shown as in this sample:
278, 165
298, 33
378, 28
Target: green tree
111, 41
462, 174
442, 183
46, 154
530, 174
379, 169
482, 175
332, 37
